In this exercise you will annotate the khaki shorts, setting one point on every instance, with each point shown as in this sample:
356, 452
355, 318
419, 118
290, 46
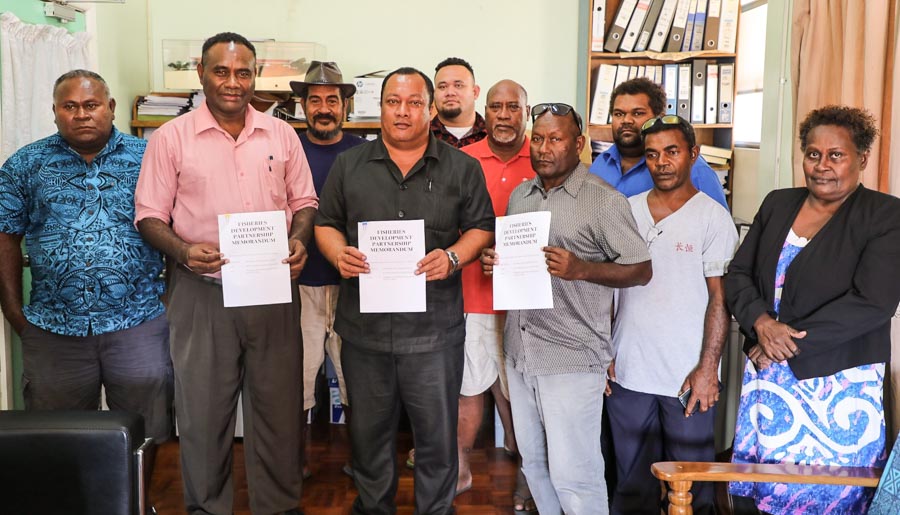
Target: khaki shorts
317, 307
484, 354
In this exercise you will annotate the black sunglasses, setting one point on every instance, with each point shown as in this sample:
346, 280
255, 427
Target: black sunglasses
556, 109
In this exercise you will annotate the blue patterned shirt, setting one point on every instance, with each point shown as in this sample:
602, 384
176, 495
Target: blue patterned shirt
91, 271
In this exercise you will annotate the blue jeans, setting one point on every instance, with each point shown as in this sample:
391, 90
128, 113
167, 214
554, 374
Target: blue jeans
558, 421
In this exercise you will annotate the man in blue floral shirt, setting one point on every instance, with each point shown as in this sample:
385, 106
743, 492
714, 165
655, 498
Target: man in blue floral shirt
95, 316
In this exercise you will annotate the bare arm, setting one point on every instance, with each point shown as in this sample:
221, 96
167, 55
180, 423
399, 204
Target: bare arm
704, 379
298, 239
349, 261
11, 280
202, 258
566, 265
436, 264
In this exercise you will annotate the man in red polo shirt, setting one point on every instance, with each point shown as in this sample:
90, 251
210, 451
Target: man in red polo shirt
505, 157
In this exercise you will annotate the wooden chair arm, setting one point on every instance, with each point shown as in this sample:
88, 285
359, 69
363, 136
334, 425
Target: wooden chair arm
680, 474
768, 473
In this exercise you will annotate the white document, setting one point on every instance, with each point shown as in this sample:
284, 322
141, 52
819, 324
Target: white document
606, 76
521, 279
254, 245
598, 24
393, 250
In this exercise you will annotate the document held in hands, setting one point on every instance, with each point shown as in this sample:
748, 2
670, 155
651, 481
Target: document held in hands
254, 245
521, 279
393, 250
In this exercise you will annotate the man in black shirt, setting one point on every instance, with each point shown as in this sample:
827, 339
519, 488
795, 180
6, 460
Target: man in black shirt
413, 359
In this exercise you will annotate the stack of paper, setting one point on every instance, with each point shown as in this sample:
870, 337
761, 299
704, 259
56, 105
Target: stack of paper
719, 159
156, 107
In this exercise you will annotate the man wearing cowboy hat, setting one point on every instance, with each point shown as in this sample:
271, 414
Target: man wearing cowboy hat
323, 96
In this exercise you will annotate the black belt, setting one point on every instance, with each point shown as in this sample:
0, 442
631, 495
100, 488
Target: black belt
203, 278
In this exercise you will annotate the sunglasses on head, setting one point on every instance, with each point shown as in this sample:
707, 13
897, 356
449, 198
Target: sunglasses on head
556, 109
669, 119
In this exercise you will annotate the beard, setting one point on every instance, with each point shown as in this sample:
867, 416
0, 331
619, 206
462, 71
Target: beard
324, 134
504, 137
450, 112
632, 142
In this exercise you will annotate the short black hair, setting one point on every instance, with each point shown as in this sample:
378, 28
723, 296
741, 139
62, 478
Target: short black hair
859, 122
682, 126
455, 61
655, 93
409, 70
80, 73
226, 37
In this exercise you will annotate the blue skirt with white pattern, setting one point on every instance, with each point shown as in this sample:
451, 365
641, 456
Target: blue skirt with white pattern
833, 420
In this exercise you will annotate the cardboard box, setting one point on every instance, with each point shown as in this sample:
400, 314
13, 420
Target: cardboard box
367, 100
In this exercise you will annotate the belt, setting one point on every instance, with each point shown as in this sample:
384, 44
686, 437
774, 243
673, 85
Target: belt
202, 278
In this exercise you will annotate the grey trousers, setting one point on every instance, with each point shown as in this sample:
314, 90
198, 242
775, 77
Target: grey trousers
218, 353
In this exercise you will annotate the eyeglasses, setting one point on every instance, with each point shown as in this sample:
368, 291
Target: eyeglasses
556, 109
670, 119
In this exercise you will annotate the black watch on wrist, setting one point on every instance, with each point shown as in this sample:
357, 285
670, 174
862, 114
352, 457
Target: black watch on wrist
454, 260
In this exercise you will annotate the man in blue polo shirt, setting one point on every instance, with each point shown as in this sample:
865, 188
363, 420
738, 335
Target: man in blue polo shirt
632, 103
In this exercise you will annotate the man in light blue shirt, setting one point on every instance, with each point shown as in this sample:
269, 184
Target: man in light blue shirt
622, 165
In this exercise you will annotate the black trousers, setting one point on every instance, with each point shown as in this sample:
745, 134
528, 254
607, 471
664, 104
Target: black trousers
425, 384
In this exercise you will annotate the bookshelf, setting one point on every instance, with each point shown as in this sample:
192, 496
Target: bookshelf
360, 128
716, 134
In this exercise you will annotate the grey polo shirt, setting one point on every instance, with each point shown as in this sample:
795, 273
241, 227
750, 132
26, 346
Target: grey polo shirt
446, 189
592, 220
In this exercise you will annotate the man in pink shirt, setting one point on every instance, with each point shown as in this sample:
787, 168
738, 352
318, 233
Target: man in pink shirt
226, 157
505, 157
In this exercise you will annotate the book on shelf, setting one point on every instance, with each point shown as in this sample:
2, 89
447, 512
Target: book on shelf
646, 31
689, 27
728, 23
620, 22
629, 38
679, 25
726, 92
666, 26
711, 38
598, 25
713, 151
663, 25
606, 78
700, 91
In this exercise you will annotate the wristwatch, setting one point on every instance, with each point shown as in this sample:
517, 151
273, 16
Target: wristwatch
454, 260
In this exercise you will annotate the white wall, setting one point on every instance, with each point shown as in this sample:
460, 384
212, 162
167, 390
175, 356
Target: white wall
535, 42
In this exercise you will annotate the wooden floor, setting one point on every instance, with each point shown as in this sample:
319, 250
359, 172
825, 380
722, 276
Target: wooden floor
330, 492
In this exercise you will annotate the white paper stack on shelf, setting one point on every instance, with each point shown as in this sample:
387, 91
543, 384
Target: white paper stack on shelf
156, 105
719, 159
197, 99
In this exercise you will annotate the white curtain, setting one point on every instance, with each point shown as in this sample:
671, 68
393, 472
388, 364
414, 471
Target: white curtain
31, 58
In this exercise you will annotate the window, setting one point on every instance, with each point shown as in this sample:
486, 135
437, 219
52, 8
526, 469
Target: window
750, 66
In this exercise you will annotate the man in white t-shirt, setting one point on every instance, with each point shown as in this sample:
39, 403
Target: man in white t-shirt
670, 333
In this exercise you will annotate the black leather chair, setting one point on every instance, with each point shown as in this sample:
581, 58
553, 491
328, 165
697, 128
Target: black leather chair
72, 462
